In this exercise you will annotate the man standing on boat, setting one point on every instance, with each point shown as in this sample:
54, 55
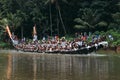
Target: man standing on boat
34, 37
34, 34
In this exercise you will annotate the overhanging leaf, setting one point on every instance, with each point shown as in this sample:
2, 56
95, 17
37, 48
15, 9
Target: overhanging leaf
79, 27
102, 23
78, 20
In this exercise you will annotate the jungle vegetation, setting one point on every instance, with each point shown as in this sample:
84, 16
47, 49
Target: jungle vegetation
61, 17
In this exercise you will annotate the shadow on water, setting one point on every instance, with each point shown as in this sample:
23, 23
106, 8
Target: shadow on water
58, 67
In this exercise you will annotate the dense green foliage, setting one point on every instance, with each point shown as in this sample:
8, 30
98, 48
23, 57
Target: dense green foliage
62, 17
4, 45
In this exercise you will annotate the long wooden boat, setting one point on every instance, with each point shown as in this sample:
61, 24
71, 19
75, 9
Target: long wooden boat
82, 50
37, 48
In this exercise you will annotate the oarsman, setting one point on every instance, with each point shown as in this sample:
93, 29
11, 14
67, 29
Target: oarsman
79, 42
34, 37
110, 37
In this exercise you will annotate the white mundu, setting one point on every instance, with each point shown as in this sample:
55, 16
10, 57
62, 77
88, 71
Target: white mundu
34, 37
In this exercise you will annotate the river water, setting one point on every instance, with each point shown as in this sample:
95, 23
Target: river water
20, 66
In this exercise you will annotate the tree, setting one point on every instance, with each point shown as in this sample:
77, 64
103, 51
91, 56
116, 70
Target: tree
89, 20
116, 22
56, 2
14, 21
62, 16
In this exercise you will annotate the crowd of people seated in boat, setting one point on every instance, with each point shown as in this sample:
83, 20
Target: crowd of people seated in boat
60, 44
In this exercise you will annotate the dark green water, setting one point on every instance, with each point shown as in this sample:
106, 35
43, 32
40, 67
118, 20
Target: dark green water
14, 66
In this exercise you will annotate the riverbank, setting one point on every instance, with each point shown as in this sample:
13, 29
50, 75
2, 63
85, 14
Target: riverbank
109, 51
106, 52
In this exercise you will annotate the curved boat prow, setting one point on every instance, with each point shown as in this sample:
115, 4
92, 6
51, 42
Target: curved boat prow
14, 42
103, 43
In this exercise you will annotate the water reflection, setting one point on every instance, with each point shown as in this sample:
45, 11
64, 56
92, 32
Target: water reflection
58, 67
9, 67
